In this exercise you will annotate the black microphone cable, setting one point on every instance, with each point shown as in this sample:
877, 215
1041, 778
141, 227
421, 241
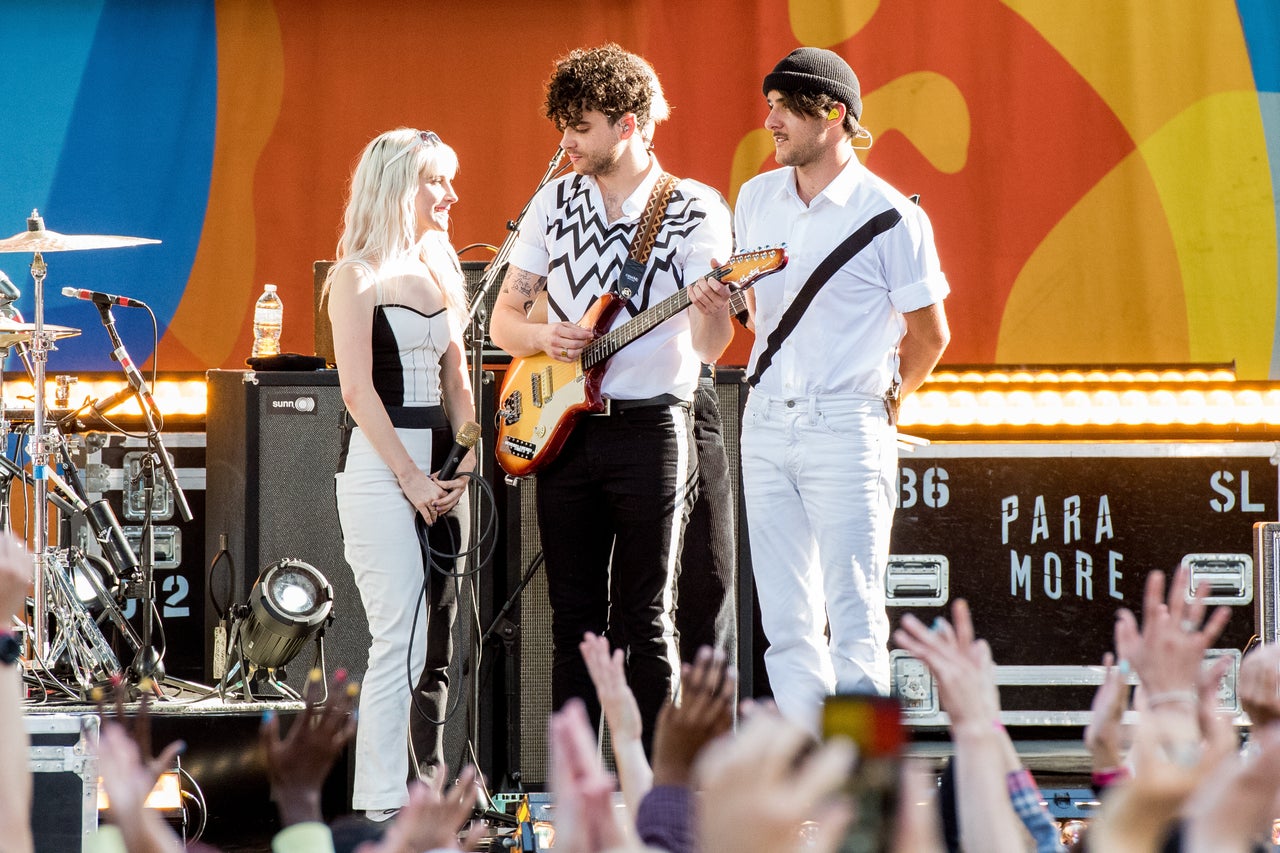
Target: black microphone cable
479, 537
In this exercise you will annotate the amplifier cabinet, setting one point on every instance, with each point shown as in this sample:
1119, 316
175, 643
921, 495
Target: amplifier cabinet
273, 443
64, 773
1047, 541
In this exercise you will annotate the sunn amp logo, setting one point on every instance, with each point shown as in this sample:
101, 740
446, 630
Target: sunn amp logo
304, 404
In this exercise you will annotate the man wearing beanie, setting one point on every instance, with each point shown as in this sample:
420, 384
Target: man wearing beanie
854, 323
613, 502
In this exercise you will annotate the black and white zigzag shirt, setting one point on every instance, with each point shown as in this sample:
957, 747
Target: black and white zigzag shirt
567, 237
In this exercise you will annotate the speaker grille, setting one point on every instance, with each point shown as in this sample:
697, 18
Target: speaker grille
535, 646
473, 274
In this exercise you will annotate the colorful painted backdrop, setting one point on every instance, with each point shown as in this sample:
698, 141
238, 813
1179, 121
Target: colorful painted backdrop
1102, 176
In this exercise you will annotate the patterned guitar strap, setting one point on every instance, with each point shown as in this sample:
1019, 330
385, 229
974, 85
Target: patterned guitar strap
646, 233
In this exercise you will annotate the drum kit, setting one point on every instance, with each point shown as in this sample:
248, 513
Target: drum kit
67, 648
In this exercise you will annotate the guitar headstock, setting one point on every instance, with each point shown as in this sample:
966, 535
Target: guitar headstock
745, 268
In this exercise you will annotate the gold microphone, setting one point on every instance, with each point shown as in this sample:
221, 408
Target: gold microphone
466, 439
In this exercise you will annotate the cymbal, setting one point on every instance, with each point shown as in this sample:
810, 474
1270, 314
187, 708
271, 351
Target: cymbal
43, 240
12, 332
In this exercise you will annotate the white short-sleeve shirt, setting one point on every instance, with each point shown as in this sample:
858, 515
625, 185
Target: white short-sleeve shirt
847, 340
567, 237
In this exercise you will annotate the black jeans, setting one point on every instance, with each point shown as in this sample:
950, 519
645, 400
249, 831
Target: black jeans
707, 614
611, 512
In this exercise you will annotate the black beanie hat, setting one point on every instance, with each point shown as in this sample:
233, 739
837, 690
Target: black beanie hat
817, 71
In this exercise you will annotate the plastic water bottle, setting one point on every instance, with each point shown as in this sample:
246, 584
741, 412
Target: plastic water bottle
268, 319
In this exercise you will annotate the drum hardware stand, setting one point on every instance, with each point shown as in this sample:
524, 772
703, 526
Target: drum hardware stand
38, 353
78, 635
79, 638
111, 539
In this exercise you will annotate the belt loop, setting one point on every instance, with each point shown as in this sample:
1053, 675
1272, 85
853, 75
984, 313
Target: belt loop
813, 410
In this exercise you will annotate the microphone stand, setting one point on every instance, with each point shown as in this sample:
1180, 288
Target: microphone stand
148, 663
476, 320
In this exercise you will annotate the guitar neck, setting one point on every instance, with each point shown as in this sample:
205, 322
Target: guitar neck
743, 269
605, 346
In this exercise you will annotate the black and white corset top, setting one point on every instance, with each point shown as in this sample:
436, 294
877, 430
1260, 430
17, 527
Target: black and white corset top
407, 347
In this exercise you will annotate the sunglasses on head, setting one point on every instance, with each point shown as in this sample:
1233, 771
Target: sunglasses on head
425, 137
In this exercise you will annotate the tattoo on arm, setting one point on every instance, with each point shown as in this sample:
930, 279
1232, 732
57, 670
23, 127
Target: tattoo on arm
526, 283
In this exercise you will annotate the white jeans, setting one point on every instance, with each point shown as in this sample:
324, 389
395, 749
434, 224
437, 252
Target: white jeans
382, 548
818, 476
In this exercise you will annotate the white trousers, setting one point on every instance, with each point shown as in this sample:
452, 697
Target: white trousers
382, 549
818, 476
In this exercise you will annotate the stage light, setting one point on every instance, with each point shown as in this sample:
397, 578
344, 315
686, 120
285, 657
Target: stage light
289, 603
165, 796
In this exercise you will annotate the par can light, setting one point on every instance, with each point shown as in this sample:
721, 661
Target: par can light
289, 603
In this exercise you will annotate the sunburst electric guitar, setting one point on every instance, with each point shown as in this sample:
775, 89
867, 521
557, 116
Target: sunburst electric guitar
542, 399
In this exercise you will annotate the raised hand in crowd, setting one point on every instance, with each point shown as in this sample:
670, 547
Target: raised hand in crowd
609, 674
129, 773
433, 818
1171, 761
708, 688
704, 712
15, 768
1234, 805
1168, 650
1258, 685
759, 788
965, 674
586, 819
1104, 734
1180, 743
298, 763
1233, 808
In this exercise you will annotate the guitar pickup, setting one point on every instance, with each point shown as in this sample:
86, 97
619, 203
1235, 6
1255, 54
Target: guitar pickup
542, 387
917, 580
1229, 577
517, 448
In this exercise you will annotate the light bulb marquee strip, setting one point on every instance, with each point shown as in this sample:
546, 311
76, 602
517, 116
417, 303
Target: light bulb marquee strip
1123, 402
1097, 403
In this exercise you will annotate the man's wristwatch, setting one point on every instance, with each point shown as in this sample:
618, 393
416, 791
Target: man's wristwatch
10, 648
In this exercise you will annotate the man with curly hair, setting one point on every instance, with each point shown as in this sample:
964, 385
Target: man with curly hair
613, 504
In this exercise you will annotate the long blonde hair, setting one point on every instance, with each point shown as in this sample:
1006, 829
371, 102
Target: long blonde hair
380, 224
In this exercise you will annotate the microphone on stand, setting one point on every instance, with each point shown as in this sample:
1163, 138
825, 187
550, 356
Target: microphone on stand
136, 381
102, 298
466, 439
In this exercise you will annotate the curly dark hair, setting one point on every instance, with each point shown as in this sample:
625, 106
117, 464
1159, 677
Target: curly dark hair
605, 78
817, 105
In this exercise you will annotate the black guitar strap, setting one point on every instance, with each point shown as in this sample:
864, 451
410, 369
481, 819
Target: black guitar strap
852, 245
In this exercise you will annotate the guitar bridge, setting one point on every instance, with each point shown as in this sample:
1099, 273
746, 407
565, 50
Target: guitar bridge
511, 409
